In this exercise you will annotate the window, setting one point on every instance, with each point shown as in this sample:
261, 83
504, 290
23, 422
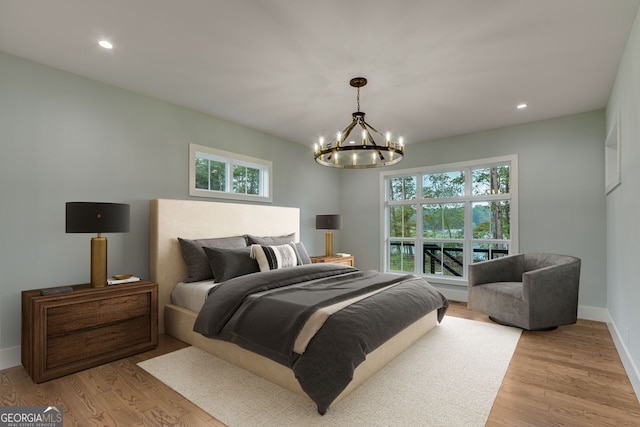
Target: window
439, 219
221, 174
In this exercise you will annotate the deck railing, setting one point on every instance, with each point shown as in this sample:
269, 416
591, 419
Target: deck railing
449, 258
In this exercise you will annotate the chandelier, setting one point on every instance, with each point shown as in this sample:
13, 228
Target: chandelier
364, 153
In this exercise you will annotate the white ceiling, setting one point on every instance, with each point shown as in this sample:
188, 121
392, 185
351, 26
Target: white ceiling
435, 67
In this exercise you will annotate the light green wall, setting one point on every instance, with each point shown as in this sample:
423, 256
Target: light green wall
66, 138
623, 205
561, 192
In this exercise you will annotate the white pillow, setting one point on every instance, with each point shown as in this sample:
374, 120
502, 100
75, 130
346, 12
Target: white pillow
274, 257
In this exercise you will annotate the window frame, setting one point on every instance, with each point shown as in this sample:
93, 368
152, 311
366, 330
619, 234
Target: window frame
265, 192
468, 199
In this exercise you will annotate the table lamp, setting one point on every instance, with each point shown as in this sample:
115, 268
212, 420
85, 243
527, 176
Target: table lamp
328, 222
89, 217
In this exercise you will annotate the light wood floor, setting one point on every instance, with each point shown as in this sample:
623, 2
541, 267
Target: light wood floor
568, 377
571, 376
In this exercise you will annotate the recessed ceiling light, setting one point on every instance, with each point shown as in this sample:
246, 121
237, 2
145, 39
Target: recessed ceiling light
105, 44
521, 106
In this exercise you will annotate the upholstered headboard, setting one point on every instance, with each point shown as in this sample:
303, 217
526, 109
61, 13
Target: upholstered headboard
170, 219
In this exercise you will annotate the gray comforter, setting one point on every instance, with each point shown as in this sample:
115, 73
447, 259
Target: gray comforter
264, 312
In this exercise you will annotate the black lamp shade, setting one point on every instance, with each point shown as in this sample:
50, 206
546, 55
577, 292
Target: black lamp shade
328, 222
89, 217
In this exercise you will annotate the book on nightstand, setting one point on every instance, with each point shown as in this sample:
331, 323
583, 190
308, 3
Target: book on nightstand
130, 279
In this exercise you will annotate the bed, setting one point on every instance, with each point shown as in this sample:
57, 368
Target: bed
173, 219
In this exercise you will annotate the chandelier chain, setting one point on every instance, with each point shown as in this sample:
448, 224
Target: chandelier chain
358, 98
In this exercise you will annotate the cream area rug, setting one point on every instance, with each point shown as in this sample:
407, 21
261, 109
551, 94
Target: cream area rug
450, 377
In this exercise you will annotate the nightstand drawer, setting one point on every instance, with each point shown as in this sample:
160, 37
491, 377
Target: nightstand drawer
95, 343
90, 314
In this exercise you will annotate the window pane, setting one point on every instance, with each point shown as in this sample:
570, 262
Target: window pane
402, 188
210, 175
446, 259
239, 179
487, 251
402, 257
402, 221
202, 174
493, 180
443, 220
253, 181
218, 175
450, 184
491, 220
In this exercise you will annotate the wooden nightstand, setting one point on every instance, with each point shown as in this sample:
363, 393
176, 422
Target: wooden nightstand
67, 333
346, 260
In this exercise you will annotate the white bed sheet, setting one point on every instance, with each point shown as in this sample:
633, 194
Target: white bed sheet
191, 295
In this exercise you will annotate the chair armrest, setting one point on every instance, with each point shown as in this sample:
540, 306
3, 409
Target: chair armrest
550, 284
505, 269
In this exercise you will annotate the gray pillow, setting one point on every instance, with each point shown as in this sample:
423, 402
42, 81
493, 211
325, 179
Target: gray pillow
195, 258
270, 240
301, 253
229, 263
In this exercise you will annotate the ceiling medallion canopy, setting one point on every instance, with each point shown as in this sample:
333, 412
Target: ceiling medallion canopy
363, 153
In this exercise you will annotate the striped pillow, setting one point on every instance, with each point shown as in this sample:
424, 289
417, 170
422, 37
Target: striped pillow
274, 257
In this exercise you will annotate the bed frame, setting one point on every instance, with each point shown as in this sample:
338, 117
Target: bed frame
170, 219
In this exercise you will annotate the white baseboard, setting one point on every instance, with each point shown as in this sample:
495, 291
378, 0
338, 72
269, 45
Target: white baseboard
596, 314
9, 357
454, 294
629, 365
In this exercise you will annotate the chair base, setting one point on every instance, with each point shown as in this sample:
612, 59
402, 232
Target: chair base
515, 326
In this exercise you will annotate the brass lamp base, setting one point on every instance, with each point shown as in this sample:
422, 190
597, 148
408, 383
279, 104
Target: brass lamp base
328, 244
98, 262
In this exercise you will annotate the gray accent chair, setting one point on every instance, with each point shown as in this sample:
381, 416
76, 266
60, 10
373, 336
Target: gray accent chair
533, 291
